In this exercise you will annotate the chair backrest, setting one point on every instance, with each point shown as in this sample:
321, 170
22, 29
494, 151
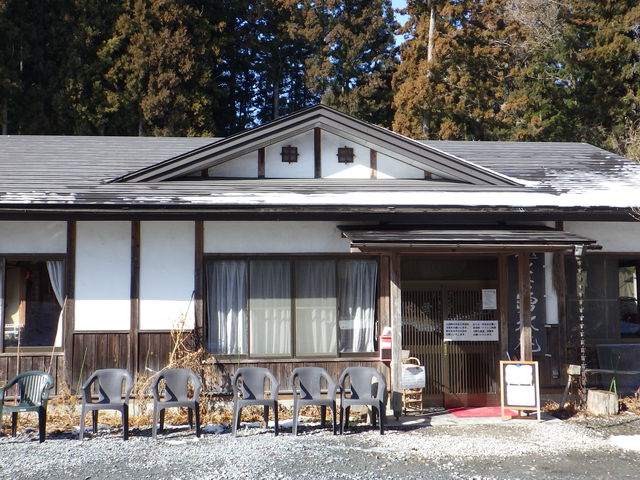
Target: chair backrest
176, 385
309, 381
114, 385
361, 380
33, 387
253, 383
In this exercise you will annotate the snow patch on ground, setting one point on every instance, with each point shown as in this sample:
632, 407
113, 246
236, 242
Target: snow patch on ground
626, 442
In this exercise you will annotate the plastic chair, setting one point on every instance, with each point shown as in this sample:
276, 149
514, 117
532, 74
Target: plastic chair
252, 393
114, 387
308, 391
362, 393
33, 389
176, 395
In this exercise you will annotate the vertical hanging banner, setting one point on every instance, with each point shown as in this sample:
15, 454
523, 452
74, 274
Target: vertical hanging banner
538, 305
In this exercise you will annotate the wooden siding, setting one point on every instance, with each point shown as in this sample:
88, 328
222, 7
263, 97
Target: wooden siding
43, 362
95, 350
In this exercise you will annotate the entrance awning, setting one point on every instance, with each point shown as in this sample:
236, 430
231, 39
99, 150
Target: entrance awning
472, 237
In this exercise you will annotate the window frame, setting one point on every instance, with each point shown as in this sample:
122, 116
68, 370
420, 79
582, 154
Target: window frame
27, 257
619, 256
292, 258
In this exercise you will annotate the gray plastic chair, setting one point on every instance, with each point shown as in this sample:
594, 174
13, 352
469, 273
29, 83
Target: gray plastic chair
308, 391
176, 395
33, 390
253, 381
363, 392
114, 387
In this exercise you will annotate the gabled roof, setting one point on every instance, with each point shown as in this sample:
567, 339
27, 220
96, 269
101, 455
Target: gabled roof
382, 140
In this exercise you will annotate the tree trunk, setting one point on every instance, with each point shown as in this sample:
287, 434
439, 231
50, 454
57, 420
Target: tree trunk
276, 99
432, 30
5, 117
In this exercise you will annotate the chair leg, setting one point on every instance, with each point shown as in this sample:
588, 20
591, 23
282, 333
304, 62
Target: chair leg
94, 417
275, 419
196, 412
162, 412
323, 416
342, 420
295, 419
154, 428
333, 417
82, 415
42, 423
266, 416
190, 417
347, 414
381, 419
14, 423
125, 422
373, 417
236, 420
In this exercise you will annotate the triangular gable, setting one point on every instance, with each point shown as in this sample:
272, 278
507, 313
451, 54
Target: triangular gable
377, 138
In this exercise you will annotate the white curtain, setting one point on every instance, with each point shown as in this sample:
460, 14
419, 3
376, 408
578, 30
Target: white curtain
270, 308
315, 307
226, 306
356, 304
56, 277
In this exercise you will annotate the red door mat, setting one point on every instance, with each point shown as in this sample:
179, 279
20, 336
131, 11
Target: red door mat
470, 412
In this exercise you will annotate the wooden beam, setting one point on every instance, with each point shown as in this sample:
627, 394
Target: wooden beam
383, 293
199, 281
560, 286
503, 305
317, 152
524, 289
69, 305
261, 162
132, 364
395, 314
373, 161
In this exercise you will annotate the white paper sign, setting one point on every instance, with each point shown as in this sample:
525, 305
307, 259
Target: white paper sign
489, 299
413, 376
471, 330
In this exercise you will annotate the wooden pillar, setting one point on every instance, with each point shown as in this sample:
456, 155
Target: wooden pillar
373, 163
503, 305
199, 282
395, 313
524, 288
69, 304
261, 162
132, 364
317, 152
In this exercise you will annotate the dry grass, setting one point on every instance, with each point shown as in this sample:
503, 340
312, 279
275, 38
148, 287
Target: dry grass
569, 410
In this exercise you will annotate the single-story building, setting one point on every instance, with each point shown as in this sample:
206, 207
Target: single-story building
301, 241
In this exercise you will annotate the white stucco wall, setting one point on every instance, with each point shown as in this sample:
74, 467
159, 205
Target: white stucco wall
245, 166
273, 237
166, 274
361, 166
274, 167
613, 236
391, 168
33, 237
103, 276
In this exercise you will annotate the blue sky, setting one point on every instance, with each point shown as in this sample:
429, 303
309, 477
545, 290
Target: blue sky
401, 19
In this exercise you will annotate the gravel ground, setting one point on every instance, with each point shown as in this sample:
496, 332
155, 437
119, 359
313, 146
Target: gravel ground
575, 449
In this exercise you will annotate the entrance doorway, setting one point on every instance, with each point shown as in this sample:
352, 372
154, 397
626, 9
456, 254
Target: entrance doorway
459, 373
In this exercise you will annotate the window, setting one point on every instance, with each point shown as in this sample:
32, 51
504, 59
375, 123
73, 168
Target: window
32, 303
611, 297
277, 307
345, 155
289, 154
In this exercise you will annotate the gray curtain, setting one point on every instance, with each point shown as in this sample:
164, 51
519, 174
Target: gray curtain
226, 306
316, 307
56, 277
270, 308
356, 304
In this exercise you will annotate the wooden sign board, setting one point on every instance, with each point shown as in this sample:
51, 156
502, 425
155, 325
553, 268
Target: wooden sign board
519, 387
471, 331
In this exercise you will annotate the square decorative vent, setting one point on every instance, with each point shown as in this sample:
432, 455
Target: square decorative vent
345, 155
289, 154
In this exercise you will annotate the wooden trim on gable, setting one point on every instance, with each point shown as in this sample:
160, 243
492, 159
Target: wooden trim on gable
69, 312
261, 163
317, 152
373, 163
